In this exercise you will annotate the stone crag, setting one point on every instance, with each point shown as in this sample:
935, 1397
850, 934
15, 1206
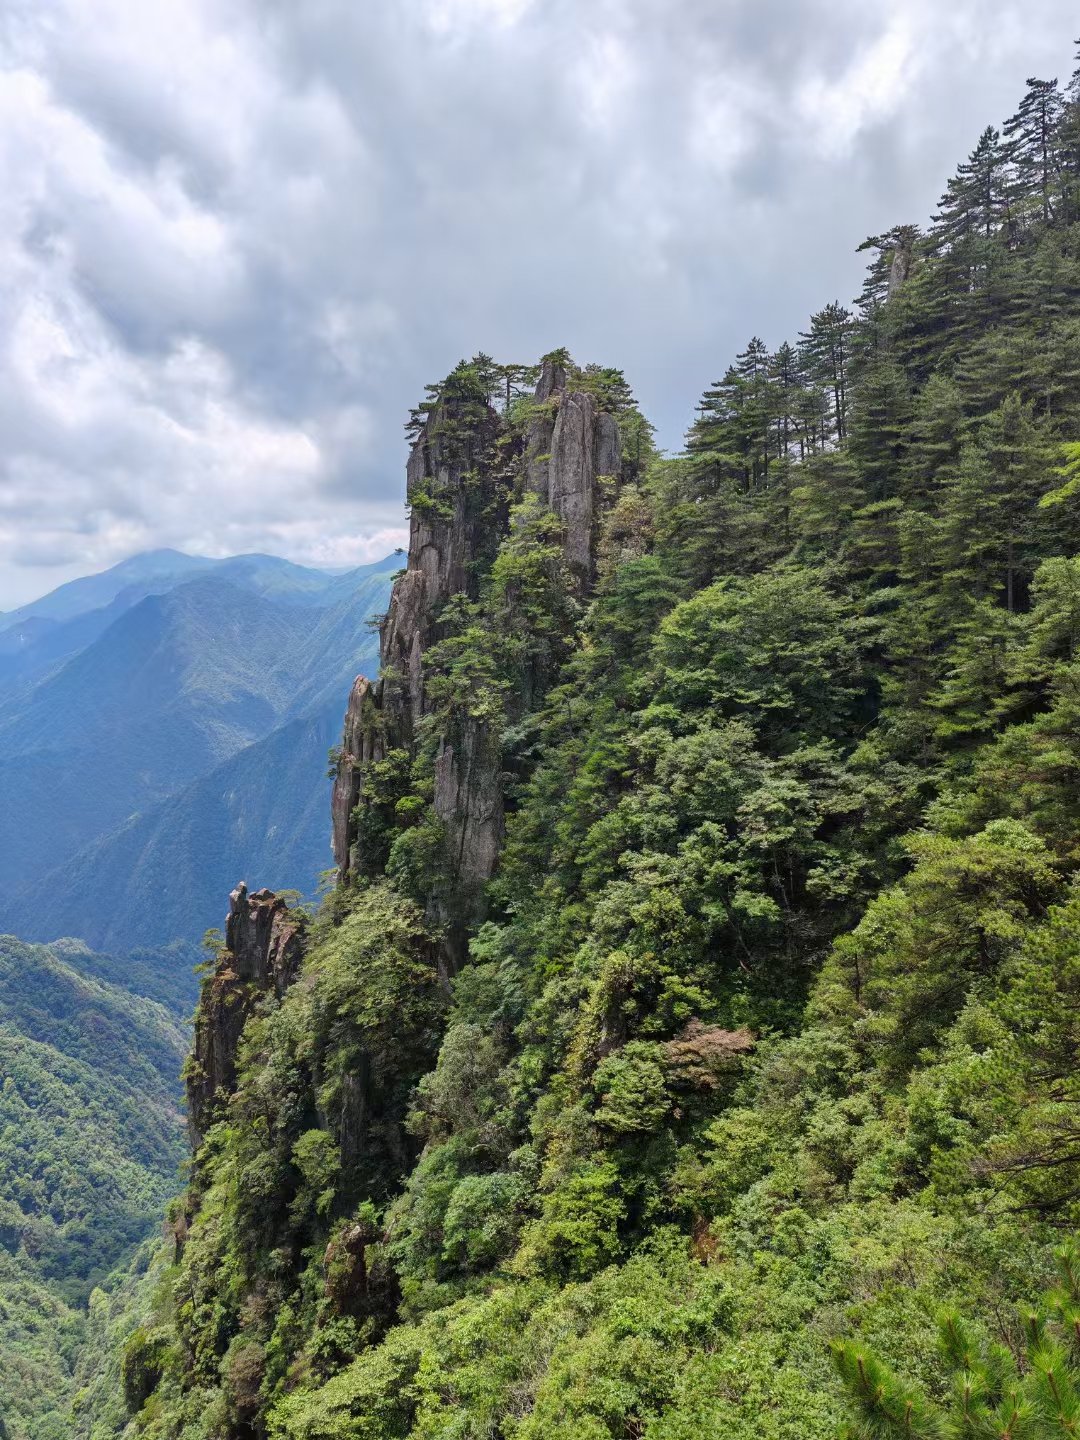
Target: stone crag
461, 482
264, 944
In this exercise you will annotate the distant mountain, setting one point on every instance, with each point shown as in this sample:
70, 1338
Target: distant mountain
38, 636
260, 816
146, 574
156, 571
173, 687
137, 734
91, 1138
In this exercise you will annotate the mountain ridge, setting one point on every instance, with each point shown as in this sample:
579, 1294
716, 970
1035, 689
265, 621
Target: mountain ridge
152, 568
694, 1018
179, 684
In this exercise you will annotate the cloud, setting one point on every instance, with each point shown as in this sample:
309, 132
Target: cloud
239, 236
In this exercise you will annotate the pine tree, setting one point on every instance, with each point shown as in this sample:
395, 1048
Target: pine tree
786, 389
990, 1396
976, 200
825, 354
879, 423
938, 427
1069, 147
1031, 136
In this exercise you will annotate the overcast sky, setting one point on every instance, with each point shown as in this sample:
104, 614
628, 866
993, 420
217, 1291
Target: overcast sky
237, 238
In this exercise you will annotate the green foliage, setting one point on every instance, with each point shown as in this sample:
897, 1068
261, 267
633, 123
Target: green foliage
142, 1366
990, 1392
764, 1033
90, 1148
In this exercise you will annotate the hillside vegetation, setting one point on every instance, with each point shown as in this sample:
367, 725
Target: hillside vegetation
91, 1143
759, 1047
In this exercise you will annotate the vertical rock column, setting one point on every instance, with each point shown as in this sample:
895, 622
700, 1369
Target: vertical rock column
572, 454
264, 945
571, 447
452, 494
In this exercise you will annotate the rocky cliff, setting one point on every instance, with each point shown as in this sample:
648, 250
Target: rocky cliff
572, 447
467, 467
263, 947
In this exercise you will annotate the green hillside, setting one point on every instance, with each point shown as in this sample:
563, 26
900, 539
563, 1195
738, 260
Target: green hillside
91, 1142
696, 1018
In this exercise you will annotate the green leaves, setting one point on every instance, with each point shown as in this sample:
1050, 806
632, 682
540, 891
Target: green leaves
990, 1397
885, 1406
903, 972
778, 649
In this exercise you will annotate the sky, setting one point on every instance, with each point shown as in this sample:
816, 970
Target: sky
238, 237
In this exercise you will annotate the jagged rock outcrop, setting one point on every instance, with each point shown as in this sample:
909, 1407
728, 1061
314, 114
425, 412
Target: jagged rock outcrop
361, 745
464, 470
571, 444
541, 428
903, 257
264, 945
455, 492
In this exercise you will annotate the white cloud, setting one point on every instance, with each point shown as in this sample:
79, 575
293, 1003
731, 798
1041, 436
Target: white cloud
239, 236
447, 17
870, 88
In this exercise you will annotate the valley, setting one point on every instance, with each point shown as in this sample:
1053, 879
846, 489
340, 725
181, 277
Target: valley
165, 729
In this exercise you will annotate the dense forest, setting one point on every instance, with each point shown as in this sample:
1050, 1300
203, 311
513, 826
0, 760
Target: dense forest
91, 1141
691, 1044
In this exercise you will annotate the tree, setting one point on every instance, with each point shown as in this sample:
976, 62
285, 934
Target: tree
991, 1396
976, 200
825, 353
1030, 137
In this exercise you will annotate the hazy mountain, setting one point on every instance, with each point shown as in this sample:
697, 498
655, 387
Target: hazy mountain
261, 816
36, 637
156, 571
145, 573
154, 708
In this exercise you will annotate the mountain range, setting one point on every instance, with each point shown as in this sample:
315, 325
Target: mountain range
163, 733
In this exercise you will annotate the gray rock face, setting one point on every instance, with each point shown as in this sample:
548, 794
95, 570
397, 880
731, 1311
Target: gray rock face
469, 802
360, 746
569, 445
552, 380
264, 945
264, 939
459, 513
607, 458
448, 530
552, 383
903, 257
408, 624
572, 479
386, 713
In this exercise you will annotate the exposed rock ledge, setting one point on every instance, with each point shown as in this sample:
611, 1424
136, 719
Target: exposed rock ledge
264, 945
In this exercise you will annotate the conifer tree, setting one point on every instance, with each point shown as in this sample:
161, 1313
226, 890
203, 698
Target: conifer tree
976, 199
1031, 138
825, 353
990, 1396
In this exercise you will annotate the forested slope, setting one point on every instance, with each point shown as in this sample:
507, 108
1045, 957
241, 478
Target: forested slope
90, 1149
702, 982
180, 750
